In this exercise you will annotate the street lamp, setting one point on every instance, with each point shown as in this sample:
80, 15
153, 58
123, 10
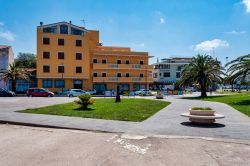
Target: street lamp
62, 77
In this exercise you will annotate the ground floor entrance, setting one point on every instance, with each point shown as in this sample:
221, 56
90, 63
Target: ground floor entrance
77, 84
100, 88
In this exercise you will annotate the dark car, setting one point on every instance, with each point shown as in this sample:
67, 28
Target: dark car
6, 93
39, 92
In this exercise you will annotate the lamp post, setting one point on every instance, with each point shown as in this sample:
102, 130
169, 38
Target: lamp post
62, 77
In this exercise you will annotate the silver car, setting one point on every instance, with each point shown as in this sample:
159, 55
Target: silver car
76, 92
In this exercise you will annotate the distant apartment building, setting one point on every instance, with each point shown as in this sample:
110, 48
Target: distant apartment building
70, 56
6, 58
167, 71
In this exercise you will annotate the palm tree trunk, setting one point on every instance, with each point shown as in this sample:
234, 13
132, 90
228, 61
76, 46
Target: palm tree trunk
13, 85
203, 88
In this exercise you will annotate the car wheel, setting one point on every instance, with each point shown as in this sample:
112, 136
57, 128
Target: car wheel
71, 95
49, 95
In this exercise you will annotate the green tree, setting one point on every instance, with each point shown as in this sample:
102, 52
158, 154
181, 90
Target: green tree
229, 80
239, 68
204, 70
26, 60
14, 73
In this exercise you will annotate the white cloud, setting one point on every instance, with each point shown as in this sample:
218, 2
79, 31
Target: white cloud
162, 20
247, 4
138, 44
7, 35
210, 45
234, 32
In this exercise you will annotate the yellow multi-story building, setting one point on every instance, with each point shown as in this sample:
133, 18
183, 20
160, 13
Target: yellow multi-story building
69, 56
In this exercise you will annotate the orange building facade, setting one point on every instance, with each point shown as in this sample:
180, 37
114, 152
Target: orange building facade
69, 56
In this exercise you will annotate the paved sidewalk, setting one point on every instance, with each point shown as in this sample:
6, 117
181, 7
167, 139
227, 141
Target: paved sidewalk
166, 122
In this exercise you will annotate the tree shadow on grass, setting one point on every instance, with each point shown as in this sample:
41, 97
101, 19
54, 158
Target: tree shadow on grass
80, 109
242, 102
214, 125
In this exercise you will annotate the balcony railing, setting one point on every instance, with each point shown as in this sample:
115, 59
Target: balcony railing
123, 79
121, 66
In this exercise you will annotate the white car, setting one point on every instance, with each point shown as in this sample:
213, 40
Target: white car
92, 91
76, 92
143, 92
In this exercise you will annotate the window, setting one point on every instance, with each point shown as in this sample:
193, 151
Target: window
141, 74
46, 68
104, 74
75, 31
166, 74
50, 29
178, 75
78, 43
46, 40
94, 74
104, 61
155, 75
60, 55
179, 68
119, 61
61, 42
127, 61
94, 60
46, 55
59, 83
78, 56
119, 74
127, 74
60, 69
141, 62
78, 69
63, 29
47, 83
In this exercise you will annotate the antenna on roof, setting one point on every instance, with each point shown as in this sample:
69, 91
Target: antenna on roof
83, 21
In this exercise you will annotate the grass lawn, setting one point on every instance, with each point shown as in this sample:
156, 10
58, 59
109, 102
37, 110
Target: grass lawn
105, 108
241, 102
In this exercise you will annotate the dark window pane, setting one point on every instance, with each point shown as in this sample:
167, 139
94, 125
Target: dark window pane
178, 75
141, 75
104, 74
46, 69
127, 61
141, 62
63, 29
46, 40
59, 83
127, 74
50, 29
104, 61
60, 55
94, 60
79, 43
78, 69
46, 55
60, 69
166, 74
119, 74
61, 42
78, 56
75, 31
119, 61
94, 74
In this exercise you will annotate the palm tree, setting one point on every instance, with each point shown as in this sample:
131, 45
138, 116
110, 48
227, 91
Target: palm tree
14, 73
204, 70
239, 68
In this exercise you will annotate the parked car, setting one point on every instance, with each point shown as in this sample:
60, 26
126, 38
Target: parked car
143, 92
6, 93
39, 92
76, 92
92, 91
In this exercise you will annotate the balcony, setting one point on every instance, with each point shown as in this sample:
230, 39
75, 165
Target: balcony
121, 66
122, 79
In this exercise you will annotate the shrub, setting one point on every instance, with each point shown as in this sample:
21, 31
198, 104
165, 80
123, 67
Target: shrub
202, 108
84, 100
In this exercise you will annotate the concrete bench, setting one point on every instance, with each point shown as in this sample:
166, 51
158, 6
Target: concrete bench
203, 119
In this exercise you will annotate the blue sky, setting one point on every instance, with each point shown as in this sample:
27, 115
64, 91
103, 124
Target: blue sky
163, 28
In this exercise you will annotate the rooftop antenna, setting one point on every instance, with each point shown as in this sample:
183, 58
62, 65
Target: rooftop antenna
83, 21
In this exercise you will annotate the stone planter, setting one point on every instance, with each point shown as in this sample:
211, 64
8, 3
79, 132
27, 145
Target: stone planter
159, 96
202, 112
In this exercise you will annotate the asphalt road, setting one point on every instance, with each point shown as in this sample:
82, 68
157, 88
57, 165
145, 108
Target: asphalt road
29, 146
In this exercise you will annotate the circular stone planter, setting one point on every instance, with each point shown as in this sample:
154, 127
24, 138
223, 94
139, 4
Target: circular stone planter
202, 116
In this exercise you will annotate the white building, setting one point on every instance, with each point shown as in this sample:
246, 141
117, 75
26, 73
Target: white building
6, 58
167, 71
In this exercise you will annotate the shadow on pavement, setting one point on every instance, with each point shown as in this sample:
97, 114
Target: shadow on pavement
214, 125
